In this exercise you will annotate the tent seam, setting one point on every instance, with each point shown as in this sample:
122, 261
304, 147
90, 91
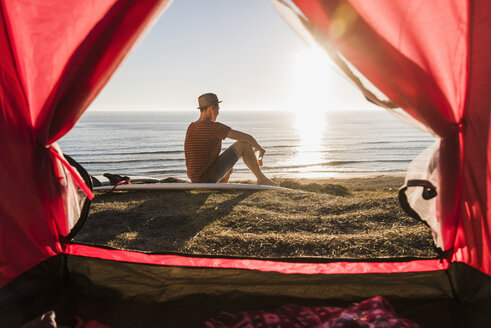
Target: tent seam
273, 259
461, 123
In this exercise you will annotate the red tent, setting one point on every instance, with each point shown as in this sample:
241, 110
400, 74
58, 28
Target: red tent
431, 58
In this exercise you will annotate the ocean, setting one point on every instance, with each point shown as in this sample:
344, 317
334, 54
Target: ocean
300, 144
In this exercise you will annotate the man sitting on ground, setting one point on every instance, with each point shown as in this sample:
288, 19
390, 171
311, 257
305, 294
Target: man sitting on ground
204, 141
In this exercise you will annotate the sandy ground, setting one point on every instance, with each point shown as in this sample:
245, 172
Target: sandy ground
329, 218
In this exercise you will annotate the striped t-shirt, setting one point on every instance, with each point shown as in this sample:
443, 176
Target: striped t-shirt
202, 147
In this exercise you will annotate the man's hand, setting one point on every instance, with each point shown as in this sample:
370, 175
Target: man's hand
261, 151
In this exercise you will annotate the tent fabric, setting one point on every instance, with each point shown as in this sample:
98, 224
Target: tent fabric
422, 176
432, 60
473, 240
56, 57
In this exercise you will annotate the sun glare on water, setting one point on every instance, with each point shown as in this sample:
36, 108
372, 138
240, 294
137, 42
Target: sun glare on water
312, 78
310, 128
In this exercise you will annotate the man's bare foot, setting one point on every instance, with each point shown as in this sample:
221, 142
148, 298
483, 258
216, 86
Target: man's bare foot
266, 182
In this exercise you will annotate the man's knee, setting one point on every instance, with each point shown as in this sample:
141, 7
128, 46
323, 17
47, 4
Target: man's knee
242, 146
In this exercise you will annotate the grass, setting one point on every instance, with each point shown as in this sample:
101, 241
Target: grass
343, 218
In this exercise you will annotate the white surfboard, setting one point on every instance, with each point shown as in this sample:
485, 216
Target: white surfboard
187, 186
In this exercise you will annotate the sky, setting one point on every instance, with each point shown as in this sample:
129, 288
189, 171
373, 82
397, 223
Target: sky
242, 50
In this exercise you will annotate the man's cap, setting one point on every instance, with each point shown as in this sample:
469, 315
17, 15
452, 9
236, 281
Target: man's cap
207, 99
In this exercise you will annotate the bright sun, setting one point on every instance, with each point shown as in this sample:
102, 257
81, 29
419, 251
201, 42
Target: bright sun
312, 76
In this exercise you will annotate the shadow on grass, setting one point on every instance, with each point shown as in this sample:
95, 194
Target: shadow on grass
156, 221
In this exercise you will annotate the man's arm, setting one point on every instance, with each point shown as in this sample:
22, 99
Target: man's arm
241, 136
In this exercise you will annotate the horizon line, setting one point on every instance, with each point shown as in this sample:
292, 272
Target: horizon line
232, 110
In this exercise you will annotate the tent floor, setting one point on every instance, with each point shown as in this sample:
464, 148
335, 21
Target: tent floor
122, 294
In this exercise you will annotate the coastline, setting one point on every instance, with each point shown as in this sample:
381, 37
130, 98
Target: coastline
337, 145
357, 218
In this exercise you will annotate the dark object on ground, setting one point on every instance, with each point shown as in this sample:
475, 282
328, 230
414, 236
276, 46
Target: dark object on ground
95, 182
115, 179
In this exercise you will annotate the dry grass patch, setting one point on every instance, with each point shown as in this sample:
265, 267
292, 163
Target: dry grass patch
353, 218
